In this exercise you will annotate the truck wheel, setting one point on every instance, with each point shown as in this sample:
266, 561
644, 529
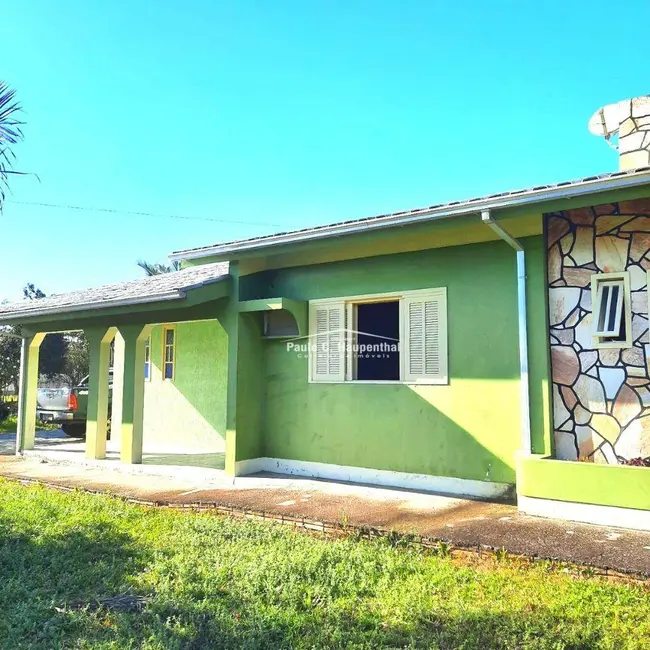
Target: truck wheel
74, 430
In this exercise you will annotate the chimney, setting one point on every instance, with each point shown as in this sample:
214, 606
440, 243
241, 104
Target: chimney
630, 119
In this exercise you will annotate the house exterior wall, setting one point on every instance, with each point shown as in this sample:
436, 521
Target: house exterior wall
469, 428
601, 397
188, 413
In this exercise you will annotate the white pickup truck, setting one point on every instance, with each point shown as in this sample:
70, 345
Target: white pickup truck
67, 407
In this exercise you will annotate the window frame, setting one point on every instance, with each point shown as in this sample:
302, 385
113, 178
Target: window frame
401, 297
600, 341
165, 329
147, 359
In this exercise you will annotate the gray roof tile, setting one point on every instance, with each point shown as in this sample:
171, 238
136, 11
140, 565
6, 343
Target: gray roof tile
377, 219
124, 293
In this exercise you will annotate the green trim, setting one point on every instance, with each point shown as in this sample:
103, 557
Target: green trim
604, 485
539, 357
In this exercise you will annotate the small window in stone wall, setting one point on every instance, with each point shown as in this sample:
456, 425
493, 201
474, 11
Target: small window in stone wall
612, 310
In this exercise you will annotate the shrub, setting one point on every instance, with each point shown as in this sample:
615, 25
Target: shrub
636, 462
5, 411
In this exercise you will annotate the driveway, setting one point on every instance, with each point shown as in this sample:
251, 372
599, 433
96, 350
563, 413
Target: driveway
44, 439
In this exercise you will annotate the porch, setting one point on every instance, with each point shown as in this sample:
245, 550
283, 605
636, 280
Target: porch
123, 317
56, 448
205, 411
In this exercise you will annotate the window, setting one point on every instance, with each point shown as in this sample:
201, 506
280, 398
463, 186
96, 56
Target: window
147, 360
612, 313
396, 337
169, 352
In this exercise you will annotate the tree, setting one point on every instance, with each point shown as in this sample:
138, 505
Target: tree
77, 358
31, 292
54, 346
10, 344
157, 268
10, 134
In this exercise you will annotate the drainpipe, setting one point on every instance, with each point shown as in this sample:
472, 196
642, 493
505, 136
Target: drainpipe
526, 445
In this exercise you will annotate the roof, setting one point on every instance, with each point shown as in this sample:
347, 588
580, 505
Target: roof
166, 286
565, 189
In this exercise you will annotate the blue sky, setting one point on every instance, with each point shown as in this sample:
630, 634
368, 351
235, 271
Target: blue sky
253, 117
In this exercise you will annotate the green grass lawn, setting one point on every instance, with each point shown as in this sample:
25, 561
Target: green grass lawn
216, 582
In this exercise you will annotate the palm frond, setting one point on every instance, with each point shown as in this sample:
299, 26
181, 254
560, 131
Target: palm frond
156, 268
10, 134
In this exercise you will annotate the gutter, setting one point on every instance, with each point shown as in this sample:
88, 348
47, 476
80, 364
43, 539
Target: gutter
526, 443
455, 209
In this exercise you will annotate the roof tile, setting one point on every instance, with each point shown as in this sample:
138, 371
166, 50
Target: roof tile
124, 292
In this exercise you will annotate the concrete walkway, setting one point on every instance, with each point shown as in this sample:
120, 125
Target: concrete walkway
461, 522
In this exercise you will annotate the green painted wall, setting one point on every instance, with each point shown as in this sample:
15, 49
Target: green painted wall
606, 485
190, 411
468, 429
539, 358
250, 388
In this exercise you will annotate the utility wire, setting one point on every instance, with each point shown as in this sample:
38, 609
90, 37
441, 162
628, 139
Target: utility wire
144, 214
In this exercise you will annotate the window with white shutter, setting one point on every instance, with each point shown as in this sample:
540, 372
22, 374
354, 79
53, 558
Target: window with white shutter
377, 352
425, 334
327, 341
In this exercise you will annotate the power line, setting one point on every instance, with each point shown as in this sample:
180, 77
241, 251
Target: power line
144, 214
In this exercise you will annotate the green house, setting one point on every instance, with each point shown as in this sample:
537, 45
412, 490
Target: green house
491, 347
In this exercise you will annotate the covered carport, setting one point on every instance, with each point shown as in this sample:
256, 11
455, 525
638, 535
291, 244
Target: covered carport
124, 313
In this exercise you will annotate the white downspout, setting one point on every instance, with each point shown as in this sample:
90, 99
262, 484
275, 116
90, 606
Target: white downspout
526, 444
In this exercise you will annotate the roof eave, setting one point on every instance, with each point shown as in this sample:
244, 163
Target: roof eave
29, 314
526, 197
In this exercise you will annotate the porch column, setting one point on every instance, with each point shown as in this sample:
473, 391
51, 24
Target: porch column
232, 328
246, 388
99, 341
27, 390
118, 392
135, 337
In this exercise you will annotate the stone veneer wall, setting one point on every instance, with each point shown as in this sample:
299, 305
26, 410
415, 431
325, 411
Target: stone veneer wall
601, 397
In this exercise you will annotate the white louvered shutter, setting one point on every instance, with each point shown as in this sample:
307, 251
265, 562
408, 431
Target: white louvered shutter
425, 331
327, 342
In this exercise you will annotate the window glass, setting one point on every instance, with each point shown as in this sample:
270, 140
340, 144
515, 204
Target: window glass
169, 353
147, 360
610, 309
376, 354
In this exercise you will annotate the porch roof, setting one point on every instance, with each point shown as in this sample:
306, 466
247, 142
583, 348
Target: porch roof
154, 289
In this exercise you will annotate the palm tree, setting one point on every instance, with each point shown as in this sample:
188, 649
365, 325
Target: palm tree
157, 268
10, 134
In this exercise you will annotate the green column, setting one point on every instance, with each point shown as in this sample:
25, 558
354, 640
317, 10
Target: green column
99, 343
246, 383
27, 390
232, 328
135, 337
